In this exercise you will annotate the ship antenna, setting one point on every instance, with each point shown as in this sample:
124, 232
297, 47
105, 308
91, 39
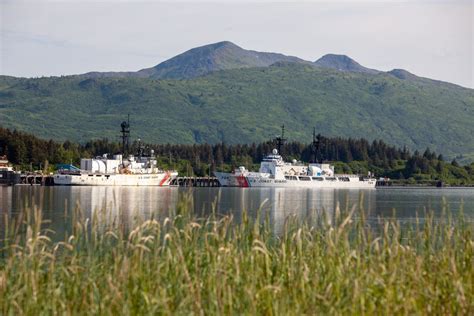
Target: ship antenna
125, 130
140, 148
280, 140
315, 146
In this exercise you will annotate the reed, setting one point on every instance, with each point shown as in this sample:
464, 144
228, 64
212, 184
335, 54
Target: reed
183, 264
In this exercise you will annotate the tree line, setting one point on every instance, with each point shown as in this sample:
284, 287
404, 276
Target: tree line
351, 155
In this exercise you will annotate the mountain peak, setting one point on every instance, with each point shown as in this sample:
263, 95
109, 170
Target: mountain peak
342, 63
222, 43
402, 74
214, 46
339, 58
212, 57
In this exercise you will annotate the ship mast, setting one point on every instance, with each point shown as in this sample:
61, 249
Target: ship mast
280, 140
140, 149
125, 135
315, 147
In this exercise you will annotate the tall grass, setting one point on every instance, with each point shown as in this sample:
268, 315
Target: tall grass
188, 265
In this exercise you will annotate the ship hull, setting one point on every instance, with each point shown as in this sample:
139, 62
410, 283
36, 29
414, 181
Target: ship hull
233, 180
311, 184
152, 179
227, 179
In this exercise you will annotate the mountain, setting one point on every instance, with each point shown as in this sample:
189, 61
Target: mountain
203, 60
247, 105
226, 55
342, 63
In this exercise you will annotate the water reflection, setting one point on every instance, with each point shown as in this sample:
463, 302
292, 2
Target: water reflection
58, 204
309, 205
5, 205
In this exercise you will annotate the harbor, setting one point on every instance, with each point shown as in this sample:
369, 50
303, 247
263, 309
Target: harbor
236, 158
141, 168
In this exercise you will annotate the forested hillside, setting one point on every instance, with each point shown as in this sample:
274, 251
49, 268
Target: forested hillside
245, 106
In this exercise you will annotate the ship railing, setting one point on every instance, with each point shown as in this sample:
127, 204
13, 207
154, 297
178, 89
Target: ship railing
69, 172
348, 175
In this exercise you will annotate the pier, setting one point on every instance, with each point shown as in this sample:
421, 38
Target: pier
36, 179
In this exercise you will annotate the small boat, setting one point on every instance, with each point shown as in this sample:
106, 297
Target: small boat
8, 176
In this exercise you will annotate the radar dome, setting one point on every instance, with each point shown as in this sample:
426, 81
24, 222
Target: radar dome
275, 151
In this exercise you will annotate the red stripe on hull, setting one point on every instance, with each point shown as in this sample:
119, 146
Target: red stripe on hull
164, 179
242, 181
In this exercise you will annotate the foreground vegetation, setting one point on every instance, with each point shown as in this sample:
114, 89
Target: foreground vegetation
187, 265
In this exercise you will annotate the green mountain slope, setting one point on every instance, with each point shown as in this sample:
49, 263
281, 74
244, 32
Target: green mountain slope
246, 105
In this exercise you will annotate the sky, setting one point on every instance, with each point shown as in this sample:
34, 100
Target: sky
430, 38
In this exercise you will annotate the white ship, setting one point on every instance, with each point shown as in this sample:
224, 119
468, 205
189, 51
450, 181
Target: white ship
274, 172
132, 170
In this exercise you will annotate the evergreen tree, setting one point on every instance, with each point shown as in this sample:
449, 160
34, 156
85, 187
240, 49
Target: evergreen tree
454, 163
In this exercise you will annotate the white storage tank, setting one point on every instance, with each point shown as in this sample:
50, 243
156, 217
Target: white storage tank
98, 166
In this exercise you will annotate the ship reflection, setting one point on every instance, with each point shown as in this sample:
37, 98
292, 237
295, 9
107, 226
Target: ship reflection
5, 207
125, 205
301, 205
278, 204
312, 206
59, 205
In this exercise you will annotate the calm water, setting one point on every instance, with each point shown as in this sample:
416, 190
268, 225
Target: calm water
307, 204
